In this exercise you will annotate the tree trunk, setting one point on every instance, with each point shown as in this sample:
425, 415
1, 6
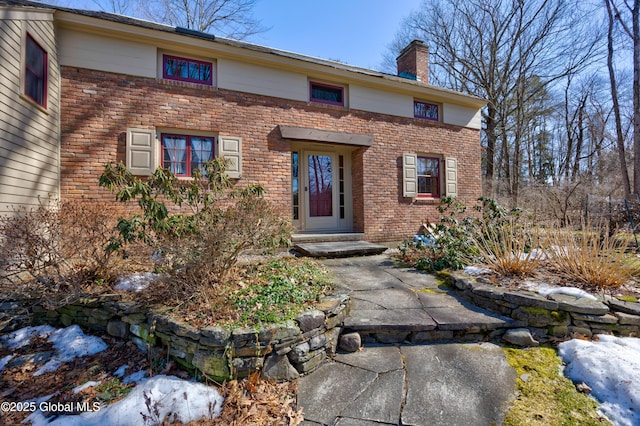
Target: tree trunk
616, 106
636, 97
490, 134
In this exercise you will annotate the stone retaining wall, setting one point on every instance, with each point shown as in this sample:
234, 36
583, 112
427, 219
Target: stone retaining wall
558, 315
282, 351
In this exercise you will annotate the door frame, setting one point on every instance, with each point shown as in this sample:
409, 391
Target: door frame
342, 217
319, 222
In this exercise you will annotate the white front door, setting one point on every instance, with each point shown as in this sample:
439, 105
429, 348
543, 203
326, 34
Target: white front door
320, 190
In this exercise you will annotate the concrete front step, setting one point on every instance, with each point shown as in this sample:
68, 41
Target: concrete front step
335, 249
307, 237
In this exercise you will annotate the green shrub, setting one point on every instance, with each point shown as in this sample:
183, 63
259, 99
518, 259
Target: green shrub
449, 244
456, 235
280, 290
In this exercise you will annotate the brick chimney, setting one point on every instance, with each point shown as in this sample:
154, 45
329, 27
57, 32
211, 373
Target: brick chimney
413, 61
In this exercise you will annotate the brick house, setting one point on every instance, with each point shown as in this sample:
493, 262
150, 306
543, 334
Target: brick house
342, 149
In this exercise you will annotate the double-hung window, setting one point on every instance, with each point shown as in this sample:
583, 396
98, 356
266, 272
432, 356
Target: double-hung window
35, 72
182, 154
428, 177
189, 70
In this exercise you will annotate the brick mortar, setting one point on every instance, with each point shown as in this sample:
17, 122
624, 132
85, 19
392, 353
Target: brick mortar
98, 107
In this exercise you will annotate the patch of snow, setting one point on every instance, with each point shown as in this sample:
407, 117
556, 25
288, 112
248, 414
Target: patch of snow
89, 384
22, 337
121, 370
538, 254
136, 377
175, 399
70, 343
546, 290
534, 254
4, 361
136, 282
475, 270
611, 367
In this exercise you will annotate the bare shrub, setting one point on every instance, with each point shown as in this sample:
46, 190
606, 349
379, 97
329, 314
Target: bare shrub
202, 262
62, 246
509, 249
197, 227
592, 256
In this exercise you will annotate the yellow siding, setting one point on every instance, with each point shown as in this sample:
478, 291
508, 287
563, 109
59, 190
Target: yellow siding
96, 52
250, 78
29, 136
462, 116
380, 101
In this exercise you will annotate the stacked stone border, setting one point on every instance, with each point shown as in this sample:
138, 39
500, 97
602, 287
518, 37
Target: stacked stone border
558, 315
281, 351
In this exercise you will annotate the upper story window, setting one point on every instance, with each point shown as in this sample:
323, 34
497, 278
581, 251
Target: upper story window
428, 177
190, 70
326, 94
426, 110
35, 73
182, 154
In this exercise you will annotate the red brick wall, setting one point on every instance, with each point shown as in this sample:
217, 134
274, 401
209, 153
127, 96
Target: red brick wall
98, 107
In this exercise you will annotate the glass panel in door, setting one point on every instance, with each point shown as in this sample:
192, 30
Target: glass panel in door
320, 185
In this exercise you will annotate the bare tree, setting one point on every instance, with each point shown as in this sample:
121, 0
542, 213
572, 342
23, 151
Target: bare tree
632, 9
121, 7
229, 18
496, 49
616, 105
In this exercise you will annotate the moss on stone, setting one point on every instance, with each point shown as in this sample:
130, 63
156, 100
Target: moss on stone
557, 316
631, 299
430, 291
545, 397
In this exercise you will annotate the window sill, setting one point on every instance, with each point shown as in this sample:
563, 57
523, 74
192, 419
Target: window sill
35, 104
426, 200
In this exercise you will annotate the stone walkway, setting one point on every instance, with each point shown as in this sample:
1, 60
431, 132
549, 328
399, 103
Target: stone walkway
447, 384
428, 384
394, 305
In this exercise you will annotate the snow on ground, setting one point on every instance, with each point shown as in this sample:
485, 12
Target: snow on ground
70, 343
175, 399
611, 367
546, 289
137, 377
179, 399
23, 337
121, 370
136, 282
475, 270
89, 384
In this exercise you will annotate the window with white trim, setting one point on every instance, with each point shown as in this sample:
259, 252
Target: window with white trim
428, 175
